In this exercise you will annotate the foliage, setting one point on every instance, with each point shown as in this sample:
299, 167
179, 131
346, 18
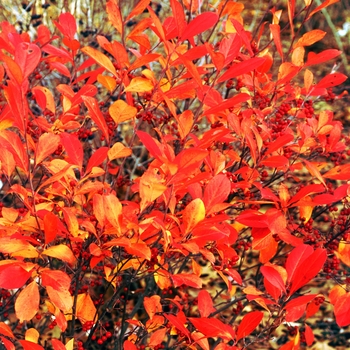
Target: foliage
173, 188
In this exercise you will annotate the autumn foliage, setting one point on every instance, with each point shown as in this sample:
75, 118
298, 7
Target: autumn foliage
172, 185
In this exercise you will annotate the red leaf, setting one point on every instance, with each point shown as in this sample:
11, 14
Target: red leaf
324, 56
198, 25
342, 310
276, 34
231, 102
178, 322
248, 324
276, 162
7, 271
279, 143
297, 257
216, 191
28, 345
67, 25
309, 335
74, 149
179, 16
56, 279
331, 80
27, 56
57, 344
241, 68
242, 33
296, 307
7, 343
230, 47
150, 144
212, 327
98, 157
188, 279
306, 191
205, 303
96, 115
308, 269
273, 277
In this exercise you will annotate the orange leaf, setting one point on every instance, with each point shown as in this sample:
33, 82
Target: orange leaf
46, 145
120, 111
27, 302
11, 141
205, 303
310, 38
118, 150
249, 323
114, 15
152, 305
108, 82
151, 187
187, 279
6, 330
276, 34
113, 210
308, 80
140, 85
157, 337
8, 163
60, 298
100, 58
86, 310
323, 5
139, 8
185, 121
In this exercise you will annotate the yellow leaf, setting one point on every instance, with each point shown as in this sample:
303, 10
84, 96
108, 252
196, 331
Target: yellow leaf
120, 111
108, 82
118, 151
70, 345
344, 252
32, 335
86, 310
61, 252
193, 214
27, 302
139, 84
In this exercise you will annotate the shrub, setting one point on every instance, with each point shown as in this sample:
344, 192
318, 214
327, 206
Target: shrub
174, 185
